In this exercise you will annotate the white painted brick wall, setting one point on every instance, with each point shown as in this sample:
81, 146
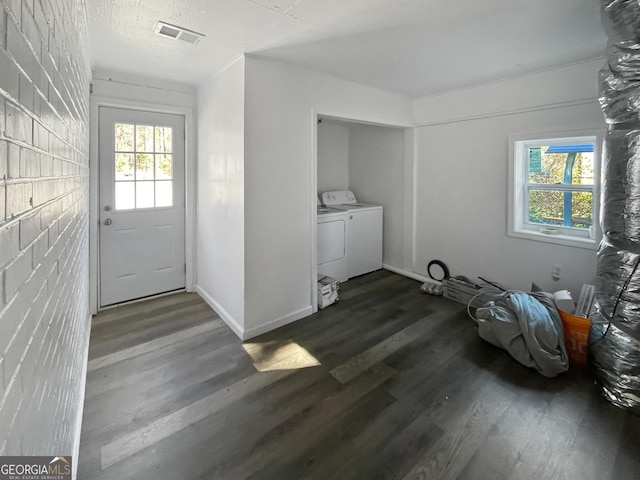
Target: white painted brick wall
44, 177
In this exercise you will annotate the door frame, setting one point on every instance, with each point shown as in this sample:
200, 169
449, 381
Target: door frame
190, 171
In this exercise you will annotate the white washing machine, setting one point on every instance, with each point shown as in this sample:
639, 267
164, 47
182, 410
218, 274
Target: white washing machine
332, 243
364, 231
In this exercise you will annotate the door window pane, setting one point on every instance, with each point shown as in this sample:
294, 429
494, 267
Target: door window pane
163, 139
125, 196
124, 137
144, 138
144, 195
164, 194
164, 167
124, 166
144, 166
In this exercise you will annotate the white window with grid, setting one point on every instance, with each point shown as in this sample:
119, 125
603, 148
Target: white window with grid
554, 187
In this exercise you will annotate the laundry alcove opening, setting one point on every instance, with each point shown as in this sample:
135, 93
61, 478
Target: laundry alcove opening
369, 160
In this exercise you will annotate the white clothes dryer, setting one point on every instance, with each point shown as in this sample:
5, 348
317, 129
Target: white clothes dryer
332, 243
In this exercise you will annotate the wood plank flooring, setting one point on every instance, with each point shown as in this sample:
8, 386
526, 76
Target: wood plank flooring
389, 383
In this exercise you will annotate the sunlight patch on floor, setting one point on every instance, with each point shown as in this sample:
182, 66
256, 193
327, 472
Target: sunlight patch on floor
268, 356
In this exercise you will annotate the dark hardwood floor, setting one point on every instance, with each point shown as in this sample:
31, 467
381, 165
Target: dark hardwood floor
389, 383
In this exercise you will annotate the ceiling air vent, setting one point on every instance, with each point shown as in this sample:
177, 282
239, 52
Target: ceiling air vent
177, 33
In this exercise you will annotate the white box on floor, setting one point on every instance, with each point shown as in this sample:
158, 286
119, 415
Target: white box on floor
327, 291
564, 301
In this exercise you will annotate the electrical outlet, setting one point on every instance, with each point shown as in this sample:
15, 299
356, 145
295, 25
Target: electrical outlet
555, 271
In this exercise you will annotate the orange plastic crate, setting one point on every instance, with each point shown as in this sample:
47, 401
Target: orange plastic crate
576, 337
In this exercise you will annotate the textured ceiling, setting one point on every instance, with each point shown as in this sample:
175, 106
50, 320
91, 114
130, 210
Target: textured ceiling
415, 47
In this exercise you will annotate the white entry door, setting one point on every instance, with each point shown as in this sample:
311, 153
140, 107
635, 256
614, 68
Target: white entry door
142, 246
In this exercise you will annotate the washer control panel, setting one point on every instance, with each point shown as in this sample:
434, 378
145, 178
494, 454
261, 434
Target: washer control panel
339, 197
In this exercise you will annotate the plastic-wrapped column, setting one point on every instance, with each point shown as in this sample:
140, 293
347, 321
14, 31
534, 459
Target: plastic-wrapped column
615, 336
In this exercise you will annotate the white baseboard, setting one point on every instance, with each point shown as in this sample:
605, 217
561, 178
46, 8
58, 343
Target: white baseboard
278, 322
83, 387
224, 315
405, 273
255, 331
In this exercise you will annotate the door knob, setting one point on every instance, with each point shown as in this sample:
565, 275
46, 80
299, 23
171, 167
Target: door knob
107, 222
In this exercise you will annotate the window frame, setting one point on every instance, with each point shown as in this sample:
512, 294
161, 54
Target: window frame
519, 225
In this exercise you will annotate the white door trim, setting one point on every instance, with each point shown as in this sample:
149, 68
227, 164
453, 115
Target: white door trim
190, 186
314, 210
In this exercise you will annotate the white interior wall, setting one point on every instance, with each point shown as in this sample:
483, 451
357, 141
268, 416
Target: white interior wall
461, 176
44, 225
281, 104
221, 195
409, 248
377, 175
333, 157
137, 90
564, 86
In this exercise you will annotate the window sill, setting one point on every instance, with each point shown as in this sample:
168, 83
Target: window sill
567, 240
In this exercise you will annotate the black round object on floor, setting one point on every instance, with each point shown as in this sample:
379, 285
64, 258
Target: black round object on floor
445, 270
